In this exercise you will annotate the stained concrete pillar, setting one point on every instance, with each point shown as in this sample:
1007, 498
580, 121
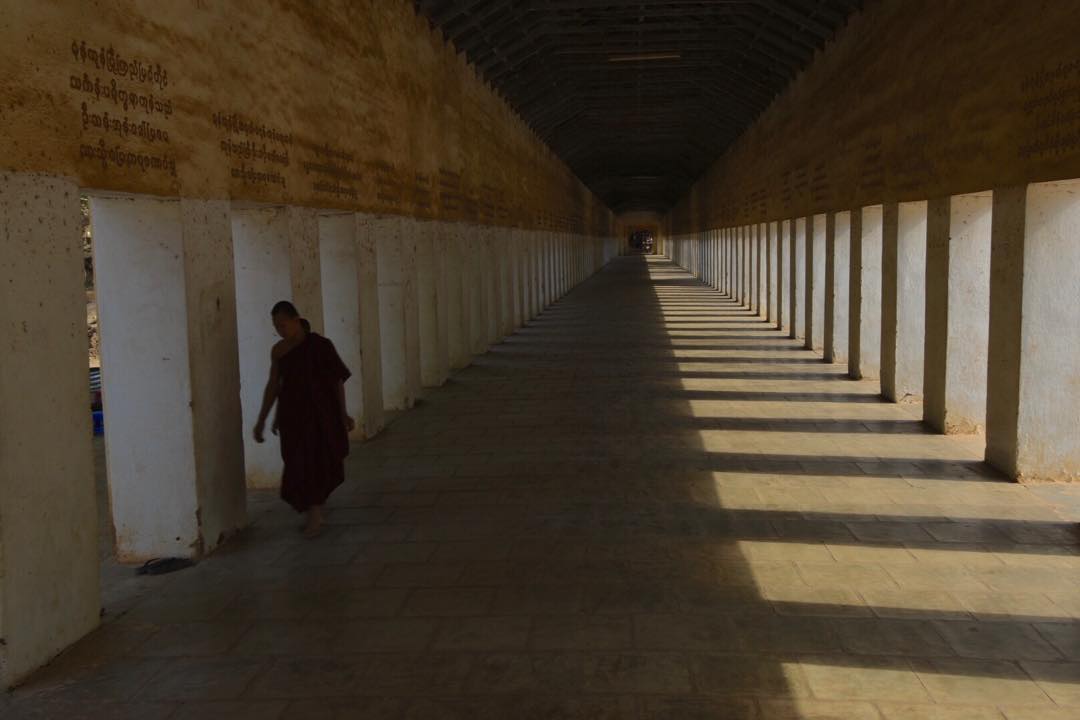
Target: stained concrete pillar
569, 241
760, 289
704, 254
536, 304
166, 300
731, 278
717, 259
837, 274
457, 296
373, 416
903, 297
783, 273
549, 267
748, 267
560, 290
521, 238
706, 249
719, 241
738, 265
721, 277
411, 292
504, 252
480, 285
542, 269
261, 252
815, 281
387, 234
864, 307
703, 258
751, 267
733, 259
798, 278
517, 255
399, 316
430, 277
770, 272
957, 312
720, 260
49, 575
498, 307
1033, 407
341, 303
305, 276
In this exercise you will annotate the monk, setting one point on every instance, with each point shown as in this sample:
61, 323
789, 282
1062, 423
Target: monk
307, 381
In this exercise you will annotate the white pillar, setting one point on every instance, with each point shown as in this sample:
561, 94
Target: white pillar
818, 289
513, 240
783, 273
171, 381
262, 264
771, 268
837, 286
747, 261
478, 293
432, 368
457, 296
410, 293
761, 297
494, 286
729, 262
504, 250
389, 250
798, 279
304, 273
534, 274
341, 303
373, 418
1033, 407
957, 312
549, 269
49, 575
441, 237
864, 319
903, 298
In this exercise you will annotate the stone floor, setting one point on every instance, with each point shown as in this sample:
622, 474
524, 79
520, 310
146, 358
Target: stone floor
646, 504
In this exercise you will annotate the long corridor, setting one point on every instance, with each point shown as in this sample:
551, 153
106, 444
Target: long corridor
647, 503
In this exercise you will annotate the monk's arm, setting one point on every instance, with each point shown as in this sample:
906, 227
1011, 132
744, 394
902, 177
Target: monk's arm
270, 394
341, 403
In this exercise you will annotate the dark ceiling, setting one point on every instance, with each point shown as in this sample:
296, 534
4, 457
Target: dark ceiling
639, 97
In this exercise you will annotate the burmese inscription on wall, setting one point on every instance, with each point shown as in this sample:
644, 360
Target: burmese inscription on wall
1051, 104
124, 109
258, 154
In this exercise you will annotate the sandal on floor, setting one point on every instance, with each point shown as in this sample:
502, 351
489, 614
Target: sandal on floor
162, 566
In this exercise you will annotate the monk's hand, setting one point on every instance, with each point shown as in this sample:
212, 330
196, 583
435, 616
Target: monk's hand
274, 426
259, 427
350, 424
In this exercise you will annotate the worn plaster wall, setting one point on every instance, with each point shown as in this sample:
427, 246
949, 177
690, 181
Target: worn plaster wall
913, 99
351, 104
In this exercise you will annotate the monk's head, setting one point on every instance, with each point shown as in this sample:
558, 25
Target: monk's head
287, 320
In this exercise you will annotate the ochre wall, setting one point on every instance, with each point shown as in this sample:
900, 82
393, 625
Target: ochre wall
351, 104
914, 99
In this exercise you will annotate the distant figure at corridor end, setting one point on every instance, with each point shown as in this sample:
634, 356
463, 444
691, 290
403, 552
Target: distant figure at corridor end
307, 380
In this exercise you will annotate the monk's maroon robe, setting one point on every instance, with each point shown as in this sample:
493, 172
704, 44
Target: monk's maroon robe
314, 439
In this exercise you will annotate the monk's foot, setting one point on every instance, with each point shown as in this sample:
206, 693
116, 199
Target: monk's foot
314, 526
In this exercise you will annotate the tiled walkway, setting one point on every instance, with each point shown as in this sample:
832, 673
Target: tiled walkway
647, 504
